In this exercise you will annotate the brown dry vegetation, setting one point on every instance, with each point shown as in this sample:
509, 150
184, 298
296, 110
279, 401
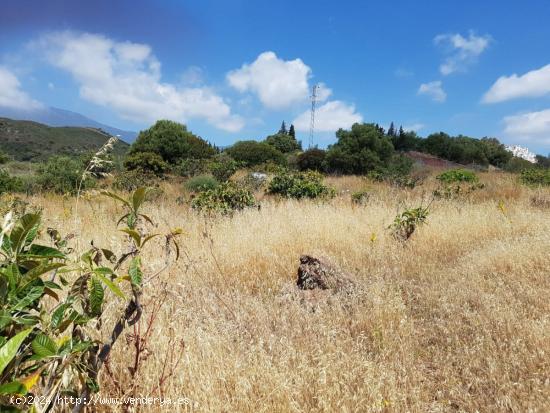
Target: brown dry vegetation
457, 319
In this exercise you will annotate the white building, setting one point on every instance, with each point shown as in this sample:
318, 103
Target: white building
521, 152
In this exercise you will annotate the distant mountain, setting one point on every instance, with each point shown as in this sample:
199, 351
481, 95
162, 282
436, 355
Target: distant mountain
59, 117
31, 141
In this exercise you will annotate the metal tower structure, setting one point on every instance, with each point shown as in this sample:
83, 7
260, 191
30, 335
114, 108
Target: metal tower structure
312, 121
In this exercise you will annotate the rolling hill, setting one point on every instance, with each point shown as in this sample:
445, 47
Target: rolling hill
60, 117
32, 141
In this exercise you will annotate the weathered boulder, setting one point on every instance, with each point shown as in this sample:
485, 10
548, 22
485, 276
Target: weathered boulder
321, 273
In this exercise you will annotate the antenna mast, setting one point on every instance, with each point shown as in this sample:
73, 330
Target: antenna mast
312, 122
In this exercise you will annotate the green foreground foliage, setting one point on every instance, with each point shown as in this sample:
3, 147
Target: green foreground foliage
48, 350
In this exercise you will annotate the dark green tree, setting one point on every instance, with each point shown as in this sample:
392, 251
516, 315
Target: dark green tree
292, 132
362, 149
252, 153
284, 143
391, 130
283, 130
173, 142
312, 160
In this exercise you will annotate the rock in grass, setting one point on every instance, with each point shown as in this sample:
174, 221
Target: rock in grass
320, 273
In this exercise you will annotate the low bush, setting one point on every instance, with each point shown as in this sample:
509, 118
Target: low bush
147, 162
312, 160
360, 197
300, 185
201, 183
222, 167
9, 183
252, 153
62, 174
225, 199
457, 175
535, 177
191, 167
457, 182
129, 181
405, 223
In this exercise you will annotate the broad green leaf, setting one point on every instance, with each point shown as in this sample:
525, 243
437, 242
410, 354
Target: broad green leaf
111, 285
13, 388
42, 251
96, 295
40, 270
134, 271
24, 230
32, 295
57, 315
5, 319
43, 346
139, 197
9, 350
134, 234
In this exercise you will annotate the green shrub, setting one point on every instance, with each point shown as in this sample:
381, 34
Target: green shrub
129, 181
252, 153
535, 176
312, 160
360, 197
63, 175
300, 185
457, 182
192, 167
225, 199
173, 142
51, 300
222, 167
405, 224
457, 176
201, 183
9, 183
284, 142
147, 162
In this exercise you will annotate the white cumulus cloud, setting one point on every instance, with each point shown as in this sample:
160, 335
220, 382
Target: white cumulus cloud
329, 117
462, 51
126, 77
531, 127
535, 83
11, 95
434, 90
278, 83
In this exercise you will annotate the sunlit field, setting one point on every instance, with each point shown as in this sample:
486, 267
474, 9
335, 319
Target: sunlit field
457, 318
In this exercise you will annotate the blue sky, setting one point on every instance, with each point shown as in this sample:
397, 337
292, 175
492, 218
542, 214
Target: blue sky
234, 70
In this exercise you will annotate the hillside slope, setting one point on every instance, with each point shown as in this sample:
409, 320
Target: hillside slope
60, 117
31, 141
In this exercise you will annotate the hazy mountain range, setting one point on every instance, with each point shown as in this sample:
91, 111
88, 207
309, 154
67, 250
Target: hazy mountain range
60, 117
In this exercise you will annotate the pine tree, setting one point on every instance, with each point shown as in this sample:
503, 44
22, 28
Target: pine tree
391, 130
283, 130
291, 131
401, 131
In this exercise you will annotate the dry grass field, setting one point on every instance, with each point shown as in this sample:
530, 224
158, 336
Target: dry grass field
457, 319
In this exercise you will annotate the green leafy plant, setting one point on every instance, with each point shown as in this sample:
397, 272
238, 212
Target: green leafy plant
222, 167
50, 350
360, 197
201, 183
535, 177
406, 222
457, 182
147, 162
300, 185
226, 198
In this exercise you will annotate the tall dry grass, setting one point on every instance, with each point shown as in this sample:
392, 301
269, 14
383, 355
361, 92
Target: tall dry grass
457, 319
